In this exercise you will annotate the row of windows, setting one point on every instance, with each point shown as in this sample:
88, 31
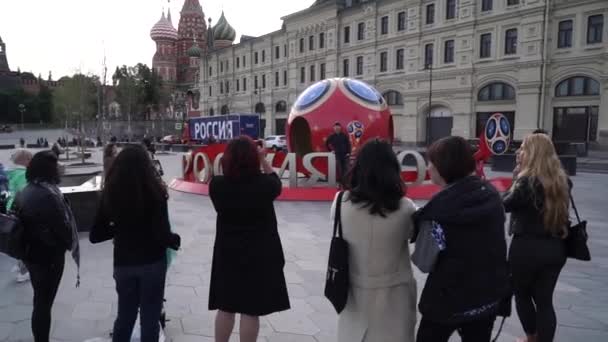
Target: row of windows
256, 59
241, 85
312, 73
311, 43
497, 91
595, 29
450, 9
384, 28
485, 48
573, 86
448, 53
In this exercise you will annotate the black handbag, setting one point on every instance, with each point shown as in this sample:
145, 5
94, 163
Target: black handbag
336, 282
576, 242
12, 237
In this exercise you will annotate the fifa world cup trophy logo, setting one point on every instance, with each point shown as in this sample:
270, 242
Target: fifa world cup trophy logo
355, 131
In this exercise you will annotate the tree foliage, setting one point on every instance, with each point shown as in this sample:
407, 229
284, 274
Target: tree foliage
139, 90
38, 108
76, 98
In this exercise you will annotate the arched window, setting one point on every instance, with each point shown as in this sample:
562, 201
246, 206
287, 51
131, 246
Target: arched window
393, 98
224, 110
498, 91
260, 108
211, 112
578, 86
281, 107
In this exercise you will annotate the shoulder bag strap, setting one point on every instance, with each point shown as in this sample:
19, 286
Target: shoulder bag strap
337, 216
578, 218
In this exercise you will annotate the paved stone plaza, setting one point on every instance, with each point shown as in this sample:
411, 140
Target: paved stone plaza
88, 311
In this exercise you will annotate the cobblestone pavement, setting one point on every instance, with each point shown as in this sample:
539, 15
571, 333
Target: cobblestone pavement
88, 311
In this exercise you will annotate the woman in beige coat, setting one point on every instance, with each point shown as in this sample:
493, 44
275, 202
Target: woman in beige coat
377, 225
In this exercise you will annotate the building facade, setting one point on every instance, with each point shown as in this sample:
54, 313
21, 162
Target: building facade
444, 66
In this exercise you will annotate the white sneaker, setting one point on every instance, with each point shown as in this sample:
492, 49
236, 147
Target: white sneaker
22, 278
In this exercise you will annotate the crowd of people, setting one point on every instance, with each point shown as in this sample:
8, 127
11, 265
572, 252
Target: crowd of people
471, 282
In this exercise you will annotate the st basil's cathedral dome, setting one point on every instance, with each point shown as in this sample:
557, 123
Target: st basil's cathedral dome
163, 30
223, 31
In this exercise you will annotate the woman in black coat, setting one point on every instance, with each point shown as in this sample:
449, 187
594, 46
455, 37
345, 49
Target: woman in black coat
247, 272
469, 281
50, 231
538, 203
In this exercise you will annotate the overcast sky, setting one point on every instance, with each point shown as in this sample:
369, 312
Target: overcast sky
64, 36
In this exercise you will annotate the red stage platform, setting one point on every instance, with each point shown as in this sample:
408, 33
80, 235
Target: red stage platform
325, 194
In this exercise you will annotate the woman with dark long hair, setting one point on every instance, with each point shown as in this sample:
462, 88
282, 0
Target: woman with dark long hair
110, 151
133, 212
247, 271
538, 203
377, 224
50, 231
469, 282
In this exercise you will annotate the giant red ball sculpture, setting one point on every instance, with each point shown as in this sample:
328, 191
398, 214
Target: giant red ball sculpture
357, 106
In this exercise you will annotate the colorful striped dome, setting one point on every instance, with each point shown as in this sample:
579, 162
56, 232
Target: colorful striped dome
163, 30
223, 31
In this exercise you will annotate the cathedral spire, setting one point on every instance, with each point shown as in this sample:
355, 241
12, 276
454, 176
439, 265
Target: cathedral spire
192, 6
169, 12
3, 60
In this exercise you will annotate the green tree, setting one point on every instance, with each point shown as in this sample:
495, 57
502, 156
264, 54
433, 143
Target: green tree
76, 99
45, 104
11, 98
128, 92
139, 90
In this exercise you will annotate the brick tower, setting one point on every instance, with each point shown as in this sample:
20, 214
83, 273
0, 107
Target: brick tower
192, 29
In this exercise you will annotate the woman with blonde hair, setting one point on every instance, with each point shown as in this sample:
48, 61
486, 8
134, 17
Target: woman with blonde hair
538, 203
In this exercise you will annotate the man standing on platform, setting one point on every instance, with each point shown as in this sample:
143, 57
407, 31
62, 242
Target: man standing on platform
339, 143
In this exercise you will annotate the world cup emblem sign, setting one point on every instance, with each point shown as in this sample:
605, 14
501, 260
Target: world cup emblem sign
498, 133
355, 131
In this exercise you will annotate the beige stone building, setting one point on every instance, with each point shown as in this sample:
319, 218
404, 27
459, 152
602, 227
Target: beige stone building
541, 63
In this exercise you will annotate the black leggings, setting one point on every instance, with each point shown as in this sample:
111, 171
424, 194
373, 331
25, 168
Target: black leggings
535, 266
475, 331
45, 281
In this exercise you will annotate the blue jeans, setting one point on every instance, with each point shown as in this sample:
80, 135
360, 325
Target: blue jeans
139, 288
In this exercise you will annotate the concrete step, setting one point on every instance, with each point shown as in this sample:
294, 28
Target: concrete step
592, 167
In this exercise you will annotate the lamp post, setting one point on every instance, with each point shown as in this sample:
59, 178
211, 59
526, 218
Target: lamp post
258, 91
429, 66
22, 110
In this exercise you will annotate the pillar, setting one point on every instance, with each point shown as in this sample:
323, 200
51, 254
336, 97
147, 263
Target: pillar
603, 115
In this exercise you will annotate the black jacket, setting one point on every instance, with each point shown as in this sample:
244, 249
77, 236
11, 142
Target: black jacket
339, 143
525, 202
470, 277
48, 233
137, 241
